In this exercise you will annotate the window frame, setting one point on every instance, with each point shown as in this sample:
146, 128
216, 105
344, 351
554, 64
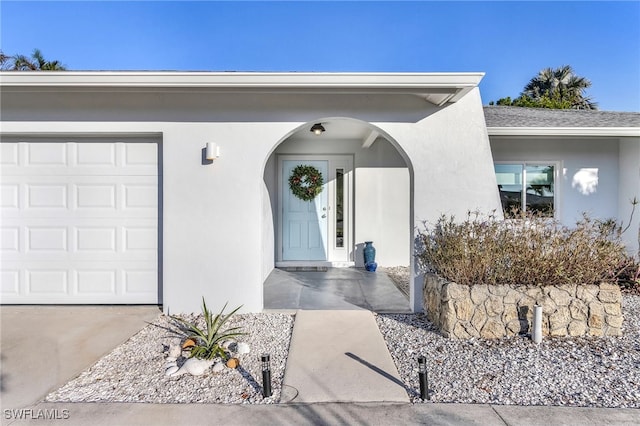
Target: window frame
557, 164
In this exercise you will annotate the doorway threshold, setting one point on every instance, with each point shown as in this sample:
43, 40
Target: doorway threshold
304, 268
306, 265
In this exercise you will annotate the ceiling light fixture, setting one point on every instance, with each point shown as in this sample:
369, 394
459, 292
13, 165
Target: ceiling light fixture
317, 129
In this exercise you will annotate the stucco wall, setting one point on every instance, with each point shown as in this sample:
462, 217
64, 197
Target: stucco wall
452, 167
216, 217
589, 171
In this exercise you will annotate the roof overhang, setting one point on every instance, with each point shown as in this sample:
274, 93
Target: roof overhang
436, 88
565, 131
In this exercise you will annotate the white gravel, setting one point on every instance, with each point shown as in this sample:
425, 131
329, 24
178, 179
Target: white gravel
134, 371
585, 372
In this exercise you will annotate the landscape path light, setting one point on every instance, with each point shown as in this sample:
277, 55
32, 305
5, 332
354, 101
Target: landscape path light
266, 375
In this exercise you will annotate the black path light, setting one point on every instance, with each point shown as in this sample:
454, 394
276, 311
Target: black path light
266, 375
422, 376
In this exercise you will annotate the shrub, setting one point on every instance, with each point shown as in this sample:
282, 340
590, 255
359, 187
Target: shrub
529, 251
208, 339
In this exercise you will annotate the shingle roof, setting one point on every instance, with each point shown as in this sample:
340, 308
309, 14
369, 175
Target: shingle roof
507, 116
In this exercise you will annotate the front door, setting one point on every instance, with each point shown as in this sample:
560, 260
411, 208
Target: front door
318, 230
304, 223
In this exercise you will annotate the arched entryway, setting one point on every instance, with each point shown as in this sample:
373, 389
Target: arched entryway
366, 197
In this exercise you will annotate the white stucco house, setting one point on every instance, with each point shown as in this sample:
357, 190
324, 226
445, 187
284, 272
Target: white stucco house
110, 195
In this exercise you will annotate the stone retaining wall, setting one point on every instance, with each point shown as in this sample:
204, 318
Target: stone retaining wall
462, 311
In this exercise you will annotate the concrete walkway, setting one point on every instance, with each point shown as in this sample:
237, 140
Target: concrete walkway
340, 356
335, 288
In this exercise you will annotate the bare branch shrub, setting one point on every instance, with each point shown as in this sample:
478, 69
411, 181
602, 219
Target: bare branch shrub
531, 250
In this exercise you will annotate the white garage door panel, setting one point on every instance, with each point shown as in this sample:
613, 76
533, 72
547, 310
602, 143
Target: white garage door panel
81, 196
79, 222
113, 240
81, 158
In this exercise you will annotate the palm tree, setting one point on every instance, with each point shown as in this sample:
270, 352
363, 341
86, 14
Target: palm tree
35, 63
5, 61
561, 84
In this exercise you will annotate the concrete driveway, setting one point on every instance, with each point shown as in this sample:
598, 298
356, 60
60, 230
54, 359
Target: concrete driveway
43, 347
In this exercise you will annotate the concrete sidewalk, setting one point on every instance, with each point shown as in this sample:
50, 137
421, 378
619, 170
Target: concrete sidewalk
340, 356
43, 347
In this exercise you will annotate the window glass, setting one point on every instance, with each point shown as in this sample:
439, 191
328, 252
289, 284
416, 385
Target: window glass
535, 195
539, 196
339, 208
509, 178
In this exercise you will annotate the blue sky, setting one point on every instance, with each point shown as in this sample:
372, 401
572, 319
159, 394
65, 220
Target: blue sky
509, 41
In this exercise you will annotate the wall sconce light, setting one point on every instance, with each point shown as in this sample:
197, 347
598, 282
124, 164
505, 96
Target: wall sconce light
317, 129
212, 151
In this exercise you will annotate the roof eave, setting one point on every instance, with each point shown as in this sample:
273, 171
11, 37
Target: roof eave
437, 88
565, 131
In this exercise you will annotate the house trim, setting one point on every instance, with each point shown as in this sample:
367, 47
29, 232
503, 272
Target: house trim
564, 131
436, 88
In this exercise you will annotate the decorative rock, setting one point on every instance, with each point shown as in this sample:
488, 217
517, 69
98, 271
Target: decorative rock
512, 297
559, 296
233, 362
460, 331
243, 348
513, 327
493, 329
614, 321
560, 318
509, 314
578, 310
174, 351
225, 344
612, 309
596, 315
189, 343
194, 366
609, 293
479, 318
232, 347
587, 293
217, 367
479, 294
171, 359
464, 309
456, 291
498, 290
170, 371
170, 364
577, 328
558, 331
494, 306
461, 311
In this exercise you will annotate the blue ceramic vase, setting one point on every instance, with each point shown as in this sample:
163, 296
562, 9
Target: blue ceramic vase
370, 257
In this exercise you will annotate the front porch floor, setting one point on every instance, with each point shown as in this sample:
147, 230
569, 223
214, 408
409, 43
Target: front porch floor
335, 288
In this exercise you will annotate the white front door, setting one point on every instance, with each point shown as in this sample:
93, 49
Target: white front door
304, 235
316, 230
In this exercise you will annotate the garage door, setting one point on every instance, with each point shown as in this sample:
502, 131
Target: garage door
79, 221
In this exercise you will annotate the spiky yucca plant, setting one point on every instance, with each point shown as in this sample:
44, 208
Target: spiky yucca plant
208, 339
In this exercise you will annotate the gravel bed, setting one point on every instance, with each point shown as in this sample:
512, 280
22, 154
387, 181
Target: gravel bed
585, 372
134, 371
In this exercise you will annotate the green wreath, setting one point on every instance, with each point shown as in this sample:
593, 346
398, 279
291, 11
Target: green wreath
306, 182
